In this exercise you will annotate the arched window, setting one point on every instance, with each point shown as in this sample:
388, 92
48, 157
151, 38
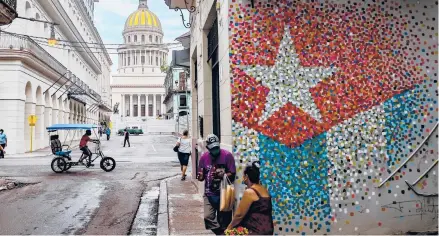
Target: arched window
156, 39
28, 9
150, 38
143, 38
135, 38
129, 39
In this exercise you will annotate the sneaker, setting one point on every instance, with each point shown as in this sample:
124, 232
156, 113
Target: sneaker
183, 178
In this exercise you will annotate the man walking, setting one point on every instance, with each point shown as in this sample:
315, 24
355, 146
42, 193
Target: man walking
213, 165
3, 143
126, 138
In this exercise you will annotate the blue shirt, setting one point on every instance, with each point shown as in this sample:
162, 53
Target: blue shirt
3, 138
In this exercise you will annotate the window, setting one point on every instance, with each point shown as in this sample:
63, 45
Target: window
183, 102
150, 38
156, 39
150, 110
212, 52
129, 60
143, 60
135, 111
129, 39
135, 38
143, 110
156, 61
182, 81
143, 38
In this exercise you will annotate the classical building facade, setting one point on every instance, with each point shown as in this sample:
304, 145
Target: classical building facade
64, 83
337, 100
137, 88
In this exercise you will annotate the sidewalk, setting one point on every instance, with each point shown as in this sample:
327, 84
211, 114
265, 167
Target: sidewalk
185, 208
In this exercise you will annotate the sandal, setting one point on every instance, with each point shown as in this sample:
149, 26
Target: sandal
183, 178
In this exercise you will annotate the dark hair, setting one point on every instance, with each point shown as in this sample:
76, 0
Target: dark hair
252, 171
2, 130
186, 132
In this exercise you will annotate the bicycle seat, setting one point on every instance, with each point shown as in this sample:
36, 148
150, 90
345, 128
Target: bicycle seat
63, 153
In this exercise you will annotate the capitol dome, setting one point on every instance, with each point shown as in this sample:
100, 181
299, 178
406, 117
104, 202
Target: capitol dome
143, 51
143, 19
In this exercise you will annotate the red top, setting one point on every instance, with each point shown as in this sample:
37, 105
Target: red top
84, 140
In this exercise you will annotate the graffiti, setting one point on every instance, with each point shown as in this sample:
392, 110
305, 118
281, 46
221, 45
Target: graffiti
332, 97
420, 208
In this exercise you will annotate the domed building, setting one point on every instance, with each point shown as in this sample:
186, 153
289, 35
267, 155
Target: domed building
137, 88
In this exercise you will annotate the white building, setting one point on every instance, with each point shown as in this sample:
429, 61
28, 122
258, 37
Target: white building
65, 83
137, 89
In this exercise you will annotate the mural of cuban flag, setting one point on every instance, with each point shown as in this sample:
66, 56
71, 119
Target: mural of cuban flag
338, 100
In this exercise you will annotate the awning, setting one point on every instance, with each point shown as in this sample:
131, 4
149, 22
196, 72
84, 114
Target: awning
71, 127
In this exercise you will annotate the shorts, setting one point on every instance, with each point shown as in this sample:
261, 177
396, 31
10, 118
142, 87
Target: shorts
183, 158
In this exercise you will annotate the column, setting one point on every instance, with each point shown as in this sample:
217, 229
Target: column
47, 119
147, 105
163, 105
138, 105
131, 105
122, 105
39, 128
154, 106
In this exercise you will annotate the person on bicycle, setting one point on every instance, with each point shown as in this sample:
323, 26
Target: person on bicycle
84, 148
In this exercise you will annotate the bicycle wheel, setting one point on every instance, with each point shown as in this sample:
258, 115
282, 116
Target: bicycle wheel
108, 164
58, 165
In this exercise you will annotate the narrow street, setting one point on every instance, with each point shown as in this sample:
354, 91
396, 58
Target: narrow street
88, 201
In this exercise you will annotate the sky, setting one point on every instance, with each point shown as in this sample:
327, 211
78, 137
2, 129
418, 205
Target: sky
110, 17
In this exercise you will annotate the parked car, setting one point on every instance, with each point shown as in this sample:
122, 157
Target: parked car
131, 130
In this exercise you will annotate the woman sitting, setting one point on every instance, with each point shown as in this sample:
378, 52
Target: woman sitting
254, 210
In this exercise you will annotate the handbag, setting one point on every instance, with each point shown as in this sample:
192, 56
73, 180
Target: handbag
227, 195
177, 146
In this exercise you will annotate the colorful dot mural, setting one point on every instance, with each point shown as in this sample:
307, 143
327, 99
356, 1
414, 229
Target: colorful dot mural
338, 100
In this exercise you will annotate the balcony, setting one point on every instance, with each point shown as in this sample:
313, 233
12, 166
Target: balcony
23, 44
180, 4
8, 11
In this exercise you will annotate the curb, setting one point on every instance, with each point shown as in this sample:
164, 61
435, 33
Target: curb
163, 214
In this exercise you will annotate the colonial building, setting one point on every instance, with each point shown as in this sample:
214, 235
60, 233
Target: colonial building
63, 83
337, 99
177, 84
137, 88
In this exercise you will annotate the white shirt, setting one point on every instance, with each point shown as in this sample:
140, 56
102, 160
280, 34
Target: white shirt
185, 145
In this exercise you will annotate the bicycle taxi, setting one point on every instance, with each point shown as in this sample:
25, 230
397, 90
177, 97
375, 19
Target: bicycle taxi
63, 159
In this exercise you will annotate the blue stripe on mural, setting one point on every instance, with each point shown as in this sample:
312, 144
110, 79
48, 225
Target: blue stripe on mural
297, 180
403, 125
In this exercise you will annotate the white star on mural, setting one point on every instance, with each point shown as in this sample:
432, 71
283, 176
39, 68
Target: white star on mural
288, 81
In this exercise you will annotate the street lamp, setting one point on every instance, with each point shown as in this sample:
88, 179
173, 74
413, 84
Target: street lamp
52, 40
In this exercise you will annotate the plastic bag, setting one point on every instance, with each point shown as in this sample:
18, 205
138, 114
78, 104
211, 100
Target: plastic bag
227, 198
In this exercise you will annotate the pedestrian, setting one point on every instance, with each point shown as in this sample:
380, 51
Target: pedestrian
254, 211
100, 132
184, 152
126, 138
108, 132
213, 165
3, 143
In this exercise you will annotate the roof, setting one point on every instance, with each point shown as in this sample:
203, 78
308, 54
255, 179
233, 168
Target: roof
71, 126
142, 18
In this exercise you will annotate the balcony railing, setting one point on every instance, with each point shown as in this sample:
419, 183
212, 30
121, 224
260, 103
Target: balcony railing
10, 3
8, 11
15, 42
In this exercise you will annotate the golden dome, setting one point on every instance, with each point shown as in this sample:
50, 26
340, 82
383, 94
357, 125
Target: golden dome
142, 18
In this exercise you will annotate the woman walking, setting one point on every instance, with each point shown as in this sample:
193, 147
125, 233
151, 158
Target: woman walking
184, 152
254, 210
